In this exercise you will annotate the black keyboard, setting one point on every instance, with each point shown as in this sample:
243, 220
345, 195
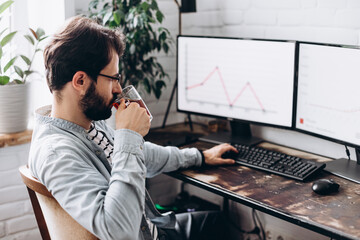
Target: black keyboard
275, 162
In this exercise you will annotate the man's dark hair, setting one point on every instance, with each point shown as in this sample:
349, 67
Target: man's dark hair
82, 45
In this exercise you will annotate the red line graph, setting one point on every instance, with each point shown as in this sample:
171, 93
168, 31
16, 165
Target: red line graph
231, 102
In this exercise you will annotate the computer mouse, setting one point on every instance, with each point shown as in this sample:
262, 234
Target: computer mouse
325, 186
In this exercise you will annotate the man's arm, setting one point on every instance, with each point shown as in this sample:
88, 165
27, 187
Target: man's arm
160, 159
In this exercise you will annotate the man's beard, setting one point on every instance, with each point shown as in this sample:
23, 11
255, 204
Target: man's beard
94, 106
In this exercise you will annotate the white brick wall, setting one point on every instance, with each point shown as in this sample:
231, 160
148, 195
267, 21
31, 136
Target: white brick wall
17, 220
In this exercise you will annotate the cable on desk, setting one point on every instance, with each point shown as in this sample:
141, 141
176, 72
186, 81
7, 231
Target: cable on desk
347, 152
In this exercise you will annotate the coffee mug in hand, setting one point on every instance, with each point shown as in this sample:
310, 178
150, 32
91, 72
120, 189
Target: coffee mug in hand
130, 94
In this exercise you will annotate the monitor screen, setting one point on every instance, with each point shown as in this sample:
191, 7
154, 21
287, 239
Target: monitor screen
328, 100
248, 80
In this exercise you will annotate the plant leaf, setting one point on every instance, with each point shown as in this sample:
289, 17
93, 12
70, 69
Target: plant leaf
145, 6
26, 60
30, 39
157, 92
166, 48
4, 80
5, 5
7, 38
40, 32
33, 33
10, 63
118, 15
107, 18
42, 38
17, 81
93, 4
159, 16
19, 71
162, 36
160, 84
146, 84
154, 5
27, 73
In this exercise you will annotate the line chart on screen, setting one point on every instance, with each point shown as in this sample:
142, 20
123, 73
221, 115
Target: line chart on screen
239, 79
236, 101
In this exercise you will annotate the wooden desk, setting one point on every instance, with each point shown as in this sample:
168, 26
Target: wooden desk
336, 215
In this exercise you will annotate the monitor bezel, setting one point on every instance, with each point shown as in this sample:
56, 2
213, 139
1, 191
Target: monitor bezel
291, 127
296, 97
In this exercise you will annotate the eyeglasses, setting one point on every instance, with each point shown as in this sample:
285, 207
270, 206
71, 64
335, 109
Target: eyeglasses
117, 77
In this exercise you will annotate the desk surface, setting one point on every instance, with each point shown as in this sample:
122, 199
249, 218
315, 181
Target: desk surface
336, 215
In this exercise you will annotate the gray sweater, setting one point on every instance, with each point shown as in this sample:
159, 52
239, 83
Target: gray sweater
108, 201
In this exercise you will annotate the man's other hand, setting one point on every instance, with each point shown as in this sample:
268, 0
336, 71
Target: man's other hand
213, 155
132, 117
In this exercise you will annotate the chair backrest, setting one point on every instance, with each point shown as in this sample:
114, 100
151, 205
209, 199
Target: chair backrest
53, 221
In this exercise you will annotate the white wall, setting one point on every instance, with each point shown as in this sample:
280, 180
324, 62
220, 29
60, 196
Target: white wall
17, 220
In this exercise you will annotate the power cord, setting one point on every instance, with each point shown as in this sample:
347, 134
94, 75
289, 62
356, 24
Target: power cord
260, 226
347, 152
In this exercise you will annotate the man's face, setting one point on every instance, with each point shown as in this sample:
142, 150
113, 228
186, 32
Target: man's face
97, 102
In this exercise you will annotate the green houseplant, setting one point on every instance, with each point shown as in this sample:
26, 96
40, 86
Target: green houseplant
13, 78
140, 22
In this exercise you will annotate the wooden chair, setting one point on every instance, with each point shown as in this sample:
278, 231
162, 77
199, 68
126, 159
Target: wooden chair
53, 221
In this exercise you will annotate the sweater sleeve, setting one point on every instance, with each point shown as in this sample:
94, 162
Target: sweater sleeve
160, 159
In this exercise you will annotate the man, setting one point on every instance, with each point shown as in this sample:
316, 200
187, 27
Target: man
97, 174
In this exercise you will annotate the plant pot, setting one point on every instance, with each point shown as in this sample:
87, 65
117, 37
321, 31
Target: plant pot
14, 108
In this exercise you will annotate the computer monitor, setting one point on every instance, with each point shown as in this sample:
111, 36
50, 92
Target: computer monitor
243, 80
328, 99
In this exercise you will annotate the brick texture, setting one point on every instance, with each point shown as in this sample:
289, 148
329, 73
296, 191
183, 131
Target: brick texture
260, 17
13, 209
22, 223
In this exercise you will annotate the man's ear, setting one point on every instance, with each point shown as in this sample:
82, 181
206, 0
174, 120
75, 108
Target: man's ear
80, 82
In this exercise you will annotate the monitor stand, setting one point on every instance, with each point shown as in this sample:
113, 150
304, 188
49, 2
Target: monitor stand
346, 168
240, 133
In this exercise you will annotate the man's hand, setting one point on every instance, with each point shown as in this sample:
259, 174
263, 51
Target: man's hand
213, 155
132, 117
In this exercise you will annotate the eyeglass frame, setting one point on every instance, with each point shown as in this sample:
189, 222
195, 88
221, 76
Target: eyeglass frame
118, 78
